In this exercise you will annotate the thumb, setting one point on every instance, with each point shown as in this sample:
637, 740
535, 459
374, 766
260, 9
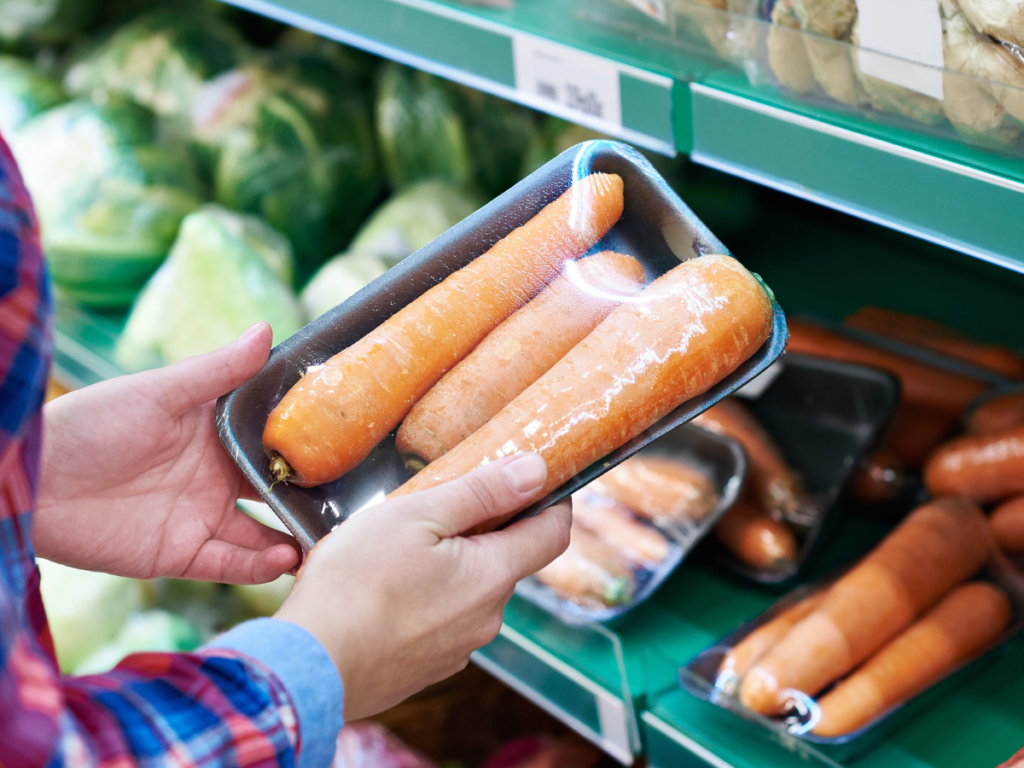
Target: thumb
191, 382
499, 489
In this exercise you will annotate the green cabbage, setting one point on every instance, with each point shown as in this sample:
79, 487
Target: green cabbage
85, 609
405, 223
159, 61
420, 133
152, 631
226, 272
292, 152
499, 134
109, 199
25, 91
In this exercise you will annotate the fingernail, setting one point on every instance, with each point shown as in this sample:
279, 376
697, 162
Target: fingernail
251, 332
526, 473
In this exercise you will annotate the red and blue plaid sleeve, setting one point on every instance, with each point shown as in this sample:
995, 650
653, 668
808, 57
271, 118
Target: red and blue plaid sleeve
218, 707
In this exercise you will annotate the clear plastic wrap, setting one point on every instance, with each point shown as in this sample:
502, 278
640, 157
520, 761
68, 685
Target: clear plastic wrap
701, 327
634, 525
839, 662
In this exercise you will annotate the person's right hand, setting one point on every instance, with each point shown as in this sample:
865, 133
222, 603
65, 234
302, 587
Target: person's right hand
400, 600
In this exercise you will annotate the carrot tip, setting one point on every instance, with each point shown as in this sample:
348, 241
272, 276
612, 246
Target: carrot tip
415, 464
280, 469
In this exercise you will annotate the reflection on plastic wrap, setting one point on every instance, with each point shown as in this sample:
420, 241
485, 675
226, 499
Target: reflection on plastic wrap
967, 85
833, 661
557, 319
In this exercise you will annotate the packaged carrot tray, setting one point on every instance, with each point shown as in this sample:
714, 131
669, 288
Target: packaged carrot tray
580, 315
841, 662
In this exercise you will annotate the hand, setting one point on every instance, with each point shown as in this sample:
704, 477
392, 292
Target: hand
135, 481
399, 599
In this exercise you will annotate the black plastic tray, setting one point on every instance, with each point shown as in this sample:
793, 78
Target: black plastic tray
698, 676
723, 461
656, 227
827, 417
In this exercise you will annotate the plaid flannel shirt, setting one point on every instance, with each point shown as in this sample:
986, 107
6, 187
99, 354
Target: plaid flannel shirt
264, 694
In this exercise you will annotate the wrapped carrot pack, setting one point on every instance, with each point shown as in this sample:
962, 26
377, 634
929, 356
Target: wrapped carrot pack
806, 429
634, 525
841, 661
582, 314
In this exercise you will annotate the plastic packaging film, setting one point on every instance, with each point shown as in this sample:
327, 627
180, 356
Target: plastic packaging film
634, 525
951, 67
834, 661
580, 315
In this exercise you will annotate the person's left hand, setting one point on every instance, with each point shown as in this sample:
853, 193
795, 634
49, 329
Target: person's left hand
135, 481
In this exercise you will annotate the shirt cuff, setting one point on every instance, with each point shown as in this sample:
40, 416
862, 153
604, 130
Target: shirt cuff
305, 669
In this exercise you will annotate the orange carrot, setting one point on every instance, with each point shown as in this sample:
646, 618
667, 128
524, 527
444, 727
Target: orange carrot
683, 334
640, 544
516, 354
938, 338
772, 482
741, 658
966, 622
882, 479
982, 467
755, 538
997, 415
659, 488
1007, 521
337, 413
938, 546
590, 573
921, 384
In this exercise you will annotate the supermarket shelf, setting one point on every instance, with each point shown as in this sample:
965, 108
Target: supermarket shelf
935, 189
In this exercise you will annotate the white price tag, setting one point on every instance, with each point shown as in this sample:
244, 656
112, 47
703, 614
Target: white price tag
586, 87
907, 34
754, 388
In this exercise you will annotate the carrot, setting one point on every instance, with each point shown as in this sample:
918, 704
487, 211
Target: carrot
921, 384
755, 538
516, 354
1007, 521
337, 413
742, 657
590, 573
683, 334
938, 546
938, 338
882, 479
640, 544
982, 467
997, 415
772, 482
659, 488
968, 620
916, 432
